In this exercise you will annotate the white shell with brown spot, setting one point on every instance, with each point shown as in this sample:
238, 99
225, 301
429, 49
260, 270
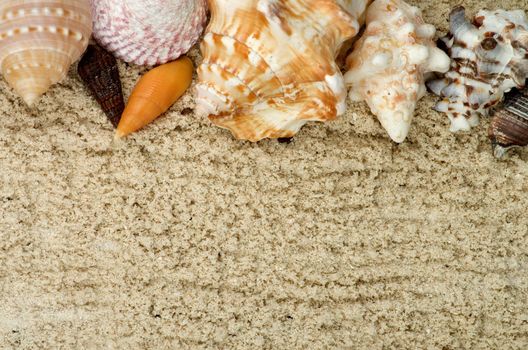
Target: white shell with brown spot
489, 58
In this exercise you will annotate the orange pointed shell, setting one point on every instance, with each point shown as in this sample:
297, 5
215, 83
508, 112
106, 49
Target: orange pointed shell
154, 94
40, 40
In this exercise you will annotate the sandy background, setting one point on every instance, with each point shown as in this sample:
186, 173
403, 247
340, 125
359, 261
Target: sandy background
182, 237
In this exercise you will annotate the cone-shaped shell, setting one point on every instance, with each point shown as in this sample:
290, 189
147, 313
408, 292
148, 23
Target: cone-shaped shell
148, 32
509, 126
99, 71
154, 94
269, 65
389, 62
40, 40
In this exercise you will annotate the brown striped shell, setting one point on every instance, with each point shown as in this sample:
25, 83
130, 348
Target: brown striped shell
509, 126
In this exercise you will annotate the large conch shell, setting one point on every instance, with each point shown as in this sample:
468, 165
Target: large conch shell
490, 57
269, 65
388, 65
148, 32
40, 40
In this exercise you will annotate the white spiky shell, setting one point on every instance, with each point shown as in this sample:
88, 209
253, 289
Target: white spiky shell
269, 65
148, 32
388, 64
40, 40
489, 58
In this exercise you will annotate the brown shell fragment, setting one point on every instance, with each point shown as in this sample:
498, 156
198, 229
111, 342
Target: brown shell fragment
99, 71
509, 127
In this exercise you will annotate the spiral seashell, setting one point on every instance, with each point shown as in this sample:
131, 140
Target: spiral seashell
148, 32
269, 65
389, 62
40, 40
489, 58
509, 126
99, 71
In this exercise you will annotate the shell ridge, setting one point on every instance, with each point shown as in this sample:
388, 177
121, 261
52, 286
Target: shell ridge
234, 76
282, 85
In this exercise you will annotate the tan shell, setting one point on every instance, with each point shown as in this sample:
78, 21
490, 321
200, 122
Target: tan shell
39, 41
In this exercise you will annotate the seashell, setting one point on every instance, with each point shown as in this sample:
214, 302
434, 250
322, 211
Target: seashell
356, 8
389, 62
509, 126
489, 58
154, 94
99, 71
269, 65
148, 32
39, 41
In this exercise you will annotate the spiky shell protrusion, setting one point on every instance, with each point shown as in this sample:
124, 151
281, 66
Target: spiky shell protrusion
509, 126
148, 32
489, 58
388, 64
269, 65
39, 41
99, 71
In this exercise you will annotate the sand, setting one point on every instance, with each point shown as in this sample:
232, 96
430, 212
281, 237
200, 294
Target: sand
181, 237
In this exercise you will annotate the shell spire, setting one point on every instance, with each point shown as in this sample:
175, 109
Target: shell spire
148, 32
389, 62
489, 58
39, 41
269, 65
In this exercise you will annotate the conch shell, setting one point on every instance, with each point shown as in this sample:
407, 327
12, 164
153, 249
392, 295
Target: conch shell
389, 62
509, 126
269, 65
148, 32
39, 41
490, 57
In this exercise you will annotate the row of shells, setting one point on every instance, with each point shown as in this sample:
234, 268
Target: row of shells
271, 66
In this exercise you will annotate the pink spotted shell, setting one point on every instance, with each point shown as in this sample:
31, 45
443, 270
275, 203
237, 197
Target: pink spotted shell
148, 32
